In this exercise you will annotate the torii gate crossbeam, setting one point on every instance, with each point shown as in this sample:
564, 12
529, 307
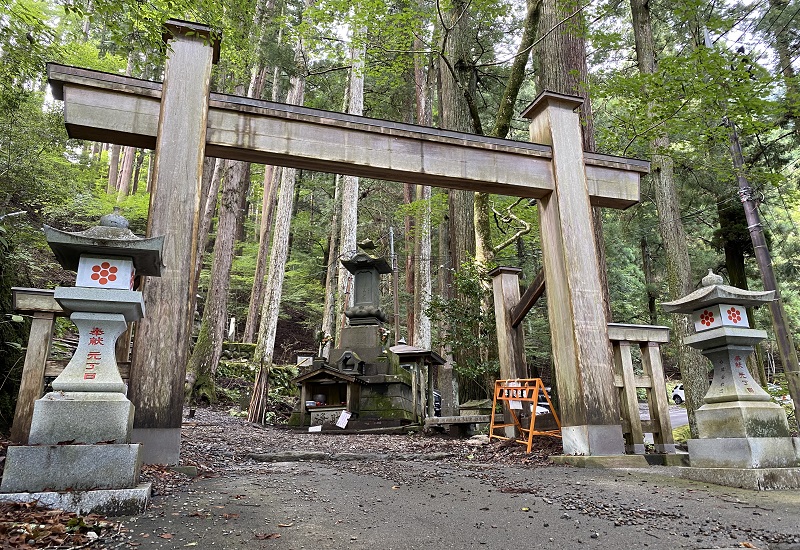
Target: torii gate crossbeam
110, 108
184, 122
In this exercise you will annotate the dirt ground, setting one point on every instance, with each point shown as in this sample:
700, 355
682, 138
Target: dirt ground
413, 492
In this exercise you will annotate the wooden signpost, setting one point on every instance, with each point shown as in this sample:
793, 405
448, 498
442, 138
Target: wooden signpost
184, 122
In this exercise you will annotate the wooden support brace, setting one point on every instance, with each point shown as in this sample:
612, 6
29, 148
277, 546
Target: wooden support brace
32, 383
528, 300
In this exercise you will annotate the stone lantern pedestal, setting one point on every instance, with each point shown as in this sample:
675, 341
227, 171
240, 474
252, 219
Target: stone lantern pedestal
739, 426
80, 457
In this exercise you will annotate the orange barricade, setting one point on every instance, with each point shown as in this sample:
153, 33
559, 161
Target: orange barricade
516, 395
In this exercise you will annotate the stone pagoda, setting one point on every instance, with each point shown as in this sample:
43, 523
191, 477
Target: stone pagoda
81, 431
739, 426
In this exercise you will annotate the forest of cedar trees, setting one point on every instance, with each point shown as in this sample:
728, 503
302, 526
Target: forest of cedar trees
680, 83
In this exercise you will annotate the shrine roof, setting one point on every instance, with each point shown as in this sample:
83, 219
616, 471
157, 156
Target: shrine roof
404, 351
337, 375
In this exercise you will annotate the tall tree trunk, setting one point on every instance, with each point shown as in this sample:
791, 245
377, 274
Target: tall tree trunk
137, 171
214, 171
277, 265
115, 151
113, 169
150, 157
409, 195
349, 224
94, 154
561, 57
691, 363
422, 281
272, 175
126, 173
328, 329
420, 329
458, 83
207, 350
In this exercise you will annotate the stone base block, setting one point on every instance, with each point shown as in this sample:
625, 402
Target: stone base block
160, 445
668, 459
368, 336
751, 419
743, 452
617, 461
756, 479
107, 502
81, 418
71, 467
593, 440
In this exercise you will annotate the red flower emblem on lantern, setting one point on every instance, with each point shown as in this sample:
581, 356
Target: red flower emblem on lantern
104, 273
707, 318
734, 315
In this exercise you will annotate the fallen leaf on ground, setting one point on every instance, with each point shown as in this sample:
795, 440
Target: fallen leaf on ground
166, 536
285, 524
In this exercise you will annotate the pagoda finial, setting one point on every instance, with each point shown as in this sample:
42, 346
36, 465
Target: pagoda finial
712, 279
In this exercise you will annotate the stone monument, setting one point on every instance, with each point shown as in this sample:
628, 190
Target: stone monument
81, 431
739, 426
374, 385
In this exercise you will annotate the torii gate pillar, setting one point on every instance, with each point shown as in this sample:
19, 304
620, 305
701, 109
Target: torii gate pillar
158, 362
581, 349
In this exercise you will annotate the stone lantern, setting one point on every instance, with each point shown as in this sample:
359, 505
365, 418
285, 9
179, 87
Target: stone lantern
89, 405
738, 426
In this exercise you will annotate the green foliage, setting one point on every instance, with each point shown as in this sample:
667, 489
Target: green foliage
236, 369
13, 331
470, 330
437, 205
280, 381
626, 285
26, 41
88, 55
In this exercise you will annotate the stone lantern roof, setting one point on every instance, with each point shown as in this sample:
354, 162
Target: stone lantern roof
713, 293
110, 238
365, 261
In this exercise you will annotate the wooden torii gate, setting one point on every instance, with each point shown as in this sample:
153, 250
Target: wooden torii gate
183, 122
